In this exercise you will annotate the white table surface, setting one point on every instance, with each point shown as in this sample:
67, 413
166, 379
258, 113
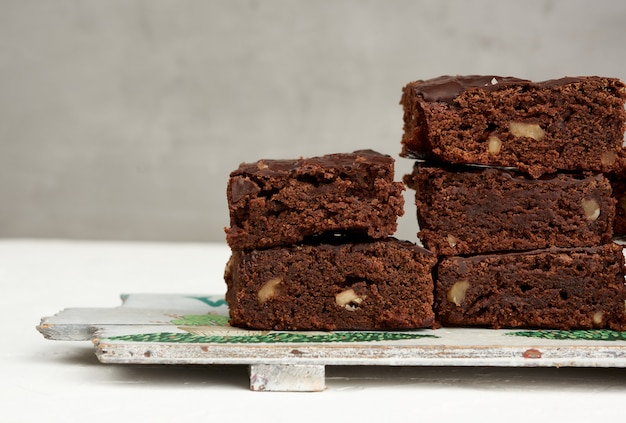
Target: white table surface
42, 380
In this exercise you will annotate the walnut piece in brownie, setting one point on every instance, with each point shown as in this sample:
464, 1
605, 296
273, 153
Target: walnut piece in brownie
466, 210
382, 284
280, 202
572, 123
572, 288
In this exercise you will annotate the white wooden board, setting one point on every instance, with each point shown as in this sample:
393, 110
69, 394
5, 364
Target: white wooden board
193, 329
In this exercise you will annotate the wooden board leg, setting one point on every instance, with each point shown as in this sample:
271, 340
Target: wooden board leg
287, 377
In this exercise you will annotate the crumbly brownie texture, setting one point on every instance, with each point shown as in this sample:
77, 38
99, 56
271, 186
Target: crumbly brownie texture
465, 210
556, 289
563, 124
281, 202
384, 284
618, 183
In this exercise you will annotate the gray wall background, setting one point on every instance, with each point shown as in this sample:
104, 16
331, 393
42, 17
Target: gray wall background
121, 119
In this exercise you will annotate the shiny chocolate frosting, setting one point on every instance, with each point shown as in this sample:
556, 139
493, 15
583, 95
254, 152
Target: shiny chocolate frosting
446, 88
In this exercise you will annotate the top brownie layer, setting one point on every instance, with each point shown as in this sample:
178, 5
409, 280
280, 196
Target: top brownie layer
539, 127
280, 202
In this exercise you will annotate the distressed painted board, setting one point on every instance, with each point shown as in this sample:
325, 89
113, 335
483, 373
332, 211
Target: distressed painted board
193, 329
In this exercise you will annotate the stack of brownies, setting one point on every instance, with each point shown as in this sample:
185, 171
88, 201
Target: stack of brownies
312, 247
514, 197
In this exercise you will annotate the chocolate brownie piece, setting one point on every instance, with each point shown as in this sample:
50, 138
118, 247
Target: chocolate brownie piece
464, 210
382, 284
538, 127
281, 202
573, 288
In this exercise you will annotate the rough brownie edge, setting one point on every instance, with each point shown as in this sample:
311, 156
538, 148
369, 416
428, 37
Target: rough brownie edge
383, 284
580, 288
618, 183
464, 210
572, 123
280, 202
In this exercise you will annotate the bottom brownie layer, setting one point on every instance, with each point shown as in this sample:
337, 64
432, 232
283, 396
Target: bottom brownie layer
383, 284
569, 288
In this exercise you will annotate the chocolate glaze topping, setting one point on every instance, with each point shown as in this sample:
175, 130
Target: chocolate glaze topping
338, 161
446, 88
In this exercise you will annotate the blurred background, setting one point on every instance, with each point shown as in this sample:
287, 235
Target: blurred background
121, 119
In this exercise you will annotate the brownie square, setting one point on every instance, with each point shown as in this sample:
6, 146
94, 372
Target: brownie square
463, 210
382, 284
539, 127
281, 202
570, 288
